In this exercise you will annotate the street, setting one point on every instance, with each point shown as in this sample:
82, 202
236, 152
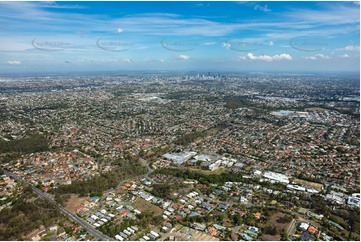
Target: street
97, 234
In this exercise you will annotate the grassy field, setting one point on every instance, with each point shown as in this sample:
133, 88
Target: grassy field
315, 109
143, 205
212, 131
273, 223
73, 202
208, 172
205, 172
307, 183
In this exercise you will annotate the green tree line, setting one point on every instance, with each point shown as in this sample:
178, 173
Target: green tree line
201, 177
29, 144
24, 217
102, 182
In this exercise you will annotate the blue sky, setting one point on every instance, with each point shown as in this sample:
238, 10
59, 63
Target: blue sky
181, 36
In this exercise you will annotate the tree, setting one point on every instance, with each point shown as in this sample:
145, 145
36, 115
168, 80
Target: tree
157, 220
284, 219
284, 236
270, 230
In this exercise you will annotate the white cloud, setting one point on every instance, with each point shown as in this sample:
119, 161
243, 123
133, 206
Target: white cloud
127, 60
226, 45
210, 43
261, 8
202, 5
161, 24
349, 48
311, 58
183, 57
352, 48
107, 60
283, 56
14, 62
317, 57
179, 57
336, 14
119, 30
345, 56
62, 6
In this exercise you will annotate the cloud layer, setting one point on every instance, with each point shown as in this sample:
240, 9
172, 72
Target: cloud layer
14, 62
131, 35
283, 56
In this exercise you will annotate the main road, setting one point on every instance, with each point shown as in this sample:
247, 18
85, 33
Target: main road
97, 234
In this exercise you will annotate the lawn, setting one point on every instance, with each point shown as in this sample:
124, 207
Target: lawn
208, 172
143, 206
272, 221
73, 202
307, 183
315, 109
212, 131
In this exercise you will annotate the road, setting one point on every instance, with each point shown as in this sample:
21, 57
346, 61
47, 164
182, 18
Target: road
291, 228
150, 170
97, 234
145, 163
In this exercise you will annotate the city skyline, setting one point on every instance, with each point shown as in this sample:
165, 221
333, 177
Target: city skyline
40, 37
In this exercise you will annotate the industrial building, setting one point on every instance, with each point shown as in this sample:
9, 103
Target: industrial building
278, 177
179, 158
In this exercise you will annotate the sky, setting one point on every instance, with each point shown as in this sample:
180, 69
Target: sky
45, 37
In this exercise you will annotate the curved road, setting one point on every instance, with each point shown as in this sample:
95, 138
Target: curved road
97, 234
145, 163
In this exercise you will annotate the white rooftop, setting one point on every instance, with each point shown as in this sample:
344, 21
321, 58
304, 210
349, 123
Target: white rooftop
276, 177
